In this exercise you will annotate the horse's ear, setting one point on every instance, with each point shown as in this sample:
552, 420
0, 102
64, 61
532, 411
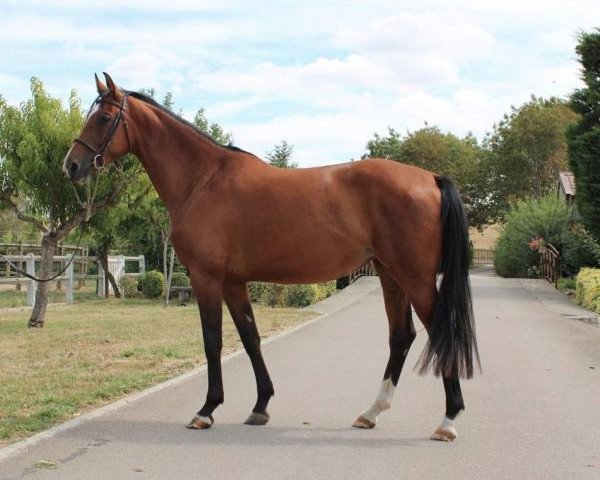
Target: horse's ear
100, 86
114, 90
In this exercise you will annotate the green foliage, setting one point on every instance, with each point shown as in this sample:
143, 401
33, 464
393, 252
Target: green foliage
546, 217
151, 284
579, 249
281, 155
587, 288
180, 279
528, 148
584, 137
256, 290
213, 130
129, 285
301, 295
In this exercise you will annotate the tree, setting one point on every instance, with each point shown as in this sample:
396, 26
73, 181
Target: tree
281, 155
212, 129
528, 148
34, 139
584, 137
461, 159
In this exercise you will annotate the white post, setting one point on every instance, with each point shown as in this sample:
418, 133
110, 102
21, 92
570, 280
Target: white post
100, 280
142, 263
32, 285
69, 285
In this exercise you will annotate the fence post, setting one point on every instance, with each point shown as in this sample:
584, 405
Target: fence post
69, 284
100, 280
142, 264
32, 284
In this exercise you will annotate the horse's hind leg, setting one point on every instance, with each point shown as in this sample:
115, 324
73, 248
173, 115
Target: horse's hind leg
401, 335
238, 303
424, 297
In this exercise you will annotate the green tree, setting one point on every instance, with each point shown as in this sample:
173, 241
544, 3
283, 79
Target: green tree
212, 129
281, 155
584, 137
528, 148
34, 139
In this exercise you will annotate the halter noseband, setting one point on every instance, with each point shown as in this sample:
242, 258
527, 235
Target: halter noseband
98, 161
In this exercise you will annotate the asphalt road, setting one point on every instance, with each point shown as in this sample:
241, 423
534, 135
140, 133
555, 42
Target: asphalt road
534, 413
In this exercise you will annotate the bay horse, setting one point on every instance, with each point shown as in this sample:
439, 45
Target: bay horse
235, 219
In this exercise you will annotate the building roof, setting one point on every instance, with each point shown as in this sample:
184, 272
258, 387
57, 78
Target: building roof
567, 183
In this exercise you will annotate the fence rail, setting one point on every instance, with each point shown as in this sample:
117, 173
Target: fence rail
482, 257
116, 265
550, 265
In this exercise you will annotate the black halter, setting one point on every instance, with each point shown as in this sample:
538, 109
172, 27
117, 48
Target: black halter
98, 161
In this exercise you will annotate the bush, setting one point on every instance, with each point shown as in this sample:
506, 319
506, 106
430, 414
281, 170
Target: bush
128, 285
180, 279
299, 295
256, 290
324, 290
547, 218
579, 250
273, 295
151, 284
587, 288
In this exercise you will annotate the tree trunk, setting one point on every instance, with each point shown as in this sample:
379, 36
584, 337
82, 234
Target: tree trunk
108, 276
38, 313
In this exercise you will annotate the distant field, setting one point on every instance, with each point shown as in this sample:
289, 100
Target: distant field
92, 353
486, 239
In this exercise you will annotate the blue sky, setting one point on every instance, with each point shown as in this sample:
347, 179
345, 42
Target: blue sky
324, 75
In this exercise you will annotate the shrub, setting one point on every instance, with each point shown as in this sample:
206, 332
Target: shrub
580, 249
273, 295
180, 279
299, 295
587, 288
324, 290
128, 285
151, 283
256, 290
547, 218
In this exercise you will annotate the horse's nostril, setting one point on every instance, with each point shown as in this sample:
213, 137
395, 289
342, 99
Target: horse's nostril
73, 168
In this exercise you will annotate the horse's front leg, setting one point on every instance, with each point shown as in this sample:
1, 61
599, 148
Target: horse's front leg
208, 292
238, 302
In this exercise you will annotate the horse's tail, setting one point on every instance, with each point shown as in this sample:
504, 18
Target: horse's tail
452, 346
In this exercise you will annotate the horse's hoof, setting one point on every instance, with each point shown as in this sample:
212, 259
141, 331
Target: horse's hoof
201, 423
444, 434
363, 422
257, 418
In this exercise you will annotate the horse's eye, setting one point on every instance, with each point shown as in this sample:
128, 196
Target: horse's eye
105, 117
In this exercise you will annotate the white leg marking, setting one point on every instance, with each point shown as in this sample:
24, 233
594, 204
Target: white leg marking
382, 402
446, 432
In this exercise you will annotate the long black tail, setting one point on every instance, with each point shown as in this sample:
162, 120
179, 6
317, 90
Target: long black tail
452, 347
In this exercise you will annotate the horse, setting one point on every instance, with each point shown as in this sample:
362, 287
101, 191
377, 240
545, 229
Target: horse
235, 219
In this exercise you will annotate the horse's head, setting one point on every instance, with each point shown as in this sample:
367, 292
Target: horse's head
104, 136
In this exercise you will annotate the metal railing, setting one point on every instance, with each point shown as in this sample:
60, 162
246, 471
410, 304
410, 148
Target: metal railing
482, 257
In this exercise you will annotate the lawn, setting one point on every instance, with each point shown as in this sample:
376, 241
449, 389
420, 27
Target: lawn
92, 353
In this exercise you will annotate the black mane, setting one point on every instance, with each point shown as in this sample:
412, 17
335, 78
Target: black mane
154, 103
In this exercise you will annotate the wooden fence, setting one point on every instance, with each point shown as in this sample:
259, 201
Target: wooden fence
550, 263
482, 257
116, 265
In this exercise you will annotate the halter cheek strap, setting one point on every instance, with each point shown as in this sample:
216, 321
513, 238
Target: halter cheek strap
98, 160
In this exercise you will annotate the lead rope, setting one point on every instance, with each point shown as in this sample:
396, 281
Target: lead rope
91, 195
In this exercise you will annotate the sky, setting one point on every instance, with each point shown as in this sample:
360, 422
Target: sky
323, 75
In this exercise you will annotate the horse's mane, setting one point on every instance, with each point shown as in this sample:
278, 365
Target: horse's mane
154, 103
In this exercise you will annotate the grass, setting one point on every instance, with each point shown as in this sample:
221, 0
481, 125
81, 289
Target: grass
92, 353
11, 297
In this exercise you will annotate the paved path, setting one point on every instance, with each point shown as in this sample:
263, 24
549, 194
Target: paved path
534, 413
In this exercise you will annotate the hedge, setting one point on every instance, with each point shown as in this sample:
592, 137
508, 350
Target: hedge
276, 295
587, 288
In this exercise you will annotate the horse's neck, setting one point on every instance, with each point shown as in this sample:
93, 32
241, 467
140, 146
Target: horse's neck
175, 156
